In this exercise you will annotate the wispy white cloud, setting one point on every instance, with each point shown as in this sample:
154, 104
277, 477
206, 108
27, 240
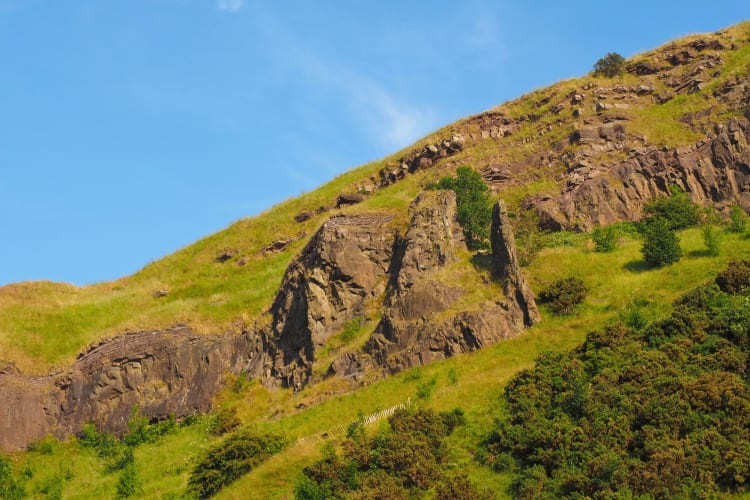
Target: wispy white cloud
390, 120
230, 5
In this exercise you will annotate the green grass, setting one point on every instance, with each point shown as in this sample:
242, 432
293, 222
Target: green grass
473, 382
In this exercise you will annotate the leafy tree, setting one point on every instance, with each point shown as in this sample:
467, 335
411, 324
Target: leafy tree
677, 209
474, 210
605, 238
661, 245
610, 65
564, 295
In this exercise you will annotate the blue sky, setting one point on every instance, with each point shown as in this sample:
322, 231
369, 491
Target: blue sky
131, 128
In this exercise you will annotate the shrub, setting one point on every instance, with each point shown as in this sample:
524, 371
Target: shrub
712, 239
738, 220
229, 460
529, 238
661, 245
425, 389
10, 487
677, 209
605, 238
224, 421
404, 460
735, 278
563, 295
473, 207
129, 484
610, 65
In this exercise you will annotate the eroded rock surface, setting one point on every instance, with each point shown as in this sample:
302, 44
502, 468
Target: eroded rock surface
166, 372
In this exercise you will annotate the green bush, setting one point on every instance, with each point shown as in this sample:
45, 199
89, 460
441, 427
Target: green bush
405, 461
473, 206
425, 389
605, 238
677, 209
661, 245
738, 219
735, 278
10, 487
232, 458
610, 65
659, 413
129, 484
712, 239
563, 295
224, 421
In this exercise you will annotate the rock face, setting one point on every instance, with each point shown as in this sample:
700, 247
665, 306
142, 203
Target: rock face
716, 171
516, 288
417, 326
344, 272
162, 372
345, 264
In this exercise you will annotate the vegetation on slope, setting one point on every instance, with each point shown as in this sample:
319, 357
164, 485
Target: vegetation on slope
659, 411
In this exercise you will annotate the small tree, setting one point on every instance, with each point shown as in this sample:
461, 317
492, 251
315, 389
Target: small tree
661, 245
610, 65
677, 209
605, 238
474, 211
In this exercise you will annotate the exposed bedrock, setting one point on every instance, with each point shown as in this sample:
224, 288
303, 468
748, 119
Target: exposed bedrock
715, 171
353, 265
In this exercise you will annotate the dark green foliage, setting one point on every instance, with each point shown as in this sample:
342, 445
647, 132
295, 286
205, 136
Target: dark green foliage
404, 461
129, 484
474, 210
10, 487
659, 413
605, 238
738, 220
677, 209
661, 245
735, 278
118, 454
232, 458
425, 389
563, 295
610, 65
225, 420
712, 239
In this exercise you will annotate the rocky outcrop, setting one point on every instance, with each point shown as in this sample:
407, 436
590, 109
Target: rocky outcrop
419, 159
505, 259
163, 373
345, 264
715, 171
417, 326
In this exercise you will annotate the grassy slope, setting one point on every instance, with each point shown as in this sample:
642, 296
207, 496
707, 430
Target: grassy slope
44, 325
473, 382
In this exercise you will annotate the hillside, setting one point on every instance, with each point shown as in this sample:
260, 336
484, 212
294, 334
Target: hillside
313, 309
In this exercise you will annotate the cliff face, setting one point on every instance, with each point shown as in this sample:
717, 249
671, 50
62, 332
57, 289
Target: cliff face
162, 372
351, 265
